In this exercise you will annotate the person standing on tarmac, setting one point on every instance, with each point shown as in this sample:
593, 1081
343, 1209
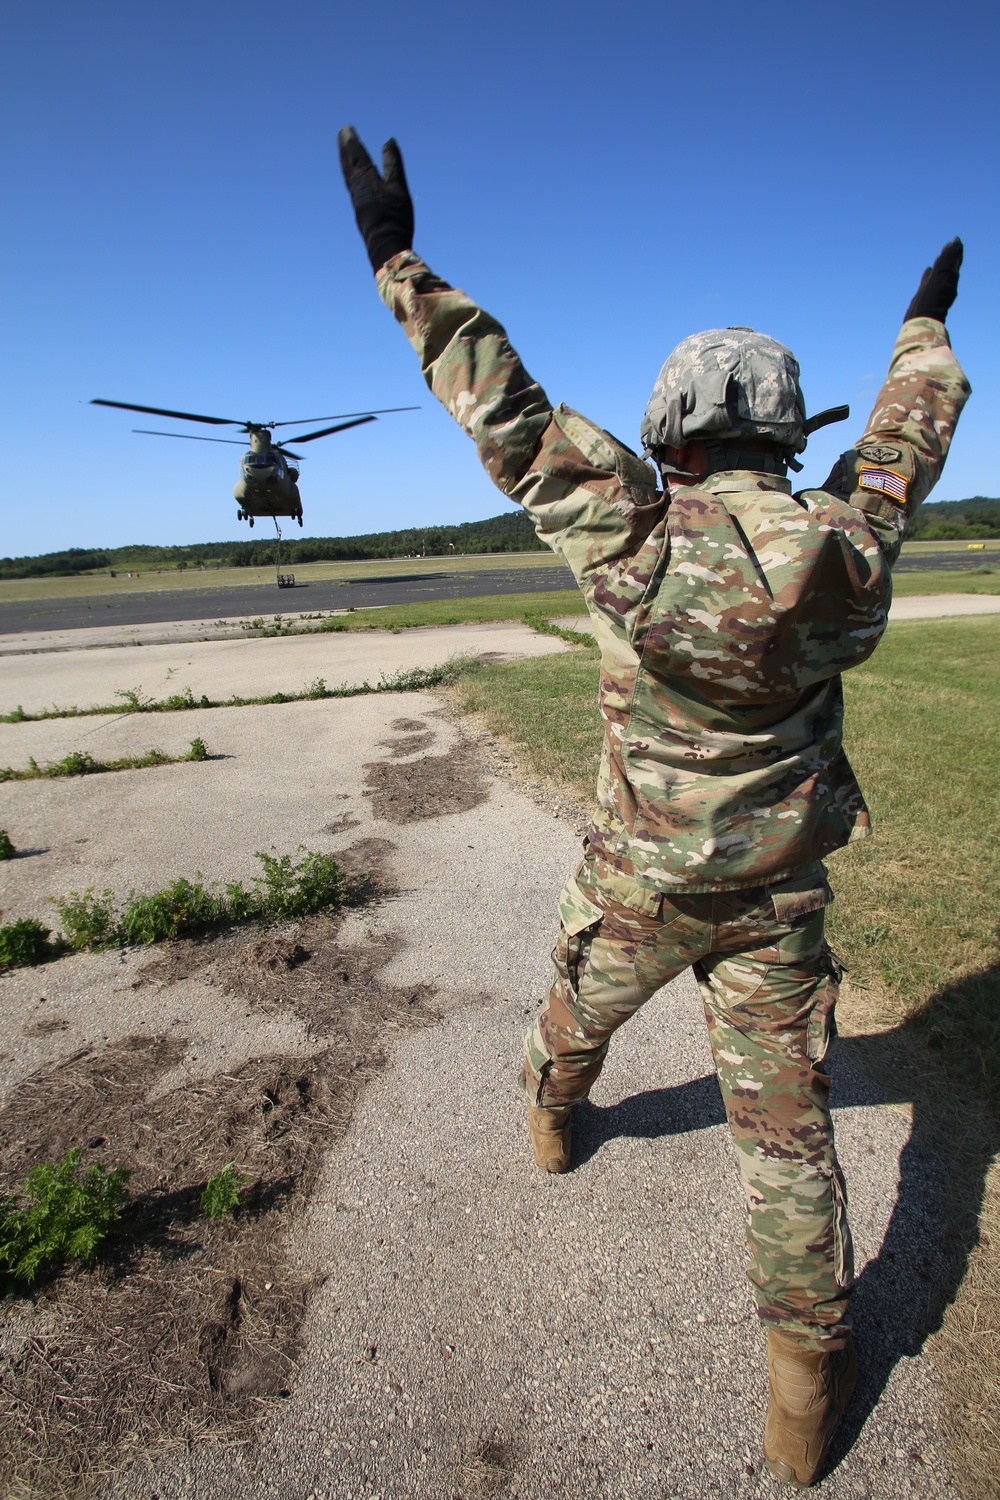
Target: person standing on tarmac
726, 609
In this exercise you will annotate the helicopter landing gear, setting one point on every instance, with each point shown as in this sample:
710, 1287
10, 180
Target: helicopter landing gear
300, 520
250, 519
239, 515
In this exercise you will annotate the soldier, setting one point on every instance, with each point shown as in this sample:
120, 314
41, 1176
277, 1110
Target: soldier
726, 609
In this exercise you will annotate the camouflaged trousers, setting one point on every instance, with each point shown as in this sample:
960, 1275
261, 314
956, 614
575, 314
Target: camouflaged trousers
769, 986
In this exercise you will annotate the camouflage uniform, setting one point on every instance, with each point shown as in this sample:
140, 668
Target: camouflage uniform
725, 614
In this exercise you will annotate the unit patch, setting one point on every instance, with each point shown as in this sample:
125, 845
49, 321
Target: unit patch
877, 453
893, 486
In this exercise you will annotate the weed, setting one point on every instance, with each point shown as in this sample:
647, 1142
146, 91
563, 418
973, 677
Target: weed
87, 921
285, 891
222, 1192
82, 763
317, 688
183, 907
24, 942
7, 850
288, 890
132, 700
66, 1217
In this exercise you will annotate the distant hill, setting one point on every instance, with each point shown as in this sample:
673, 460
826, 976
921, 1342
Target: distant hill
511, 532
977, 519
942, 520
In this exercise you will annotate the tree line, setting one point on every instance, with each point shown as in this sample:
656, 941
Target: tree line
946, 520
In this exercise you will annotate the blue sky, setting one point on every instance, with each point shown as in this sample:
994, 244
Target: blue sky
604, 178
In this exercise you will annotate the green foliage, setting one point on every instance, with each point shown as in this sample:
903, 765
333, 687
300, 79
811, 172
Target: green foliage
222, 1192
972, 520
285, 890
288, 890
7, 850
66, 1216
82, 763
24, 942
87, 921
182, 908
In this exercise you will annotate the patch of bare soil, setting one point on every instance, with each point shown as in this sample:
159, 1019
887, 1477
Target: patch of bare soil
435, 785
188, 1328
412, 737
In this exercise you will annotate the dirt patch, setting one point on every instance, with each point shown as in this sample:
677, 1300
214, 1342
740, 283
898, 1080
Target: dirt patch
46, 1028
427, 788
189, 1328
342, 823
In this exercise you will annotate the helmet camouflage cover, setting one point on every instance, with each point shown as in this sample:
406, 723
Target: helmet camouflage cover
725, 384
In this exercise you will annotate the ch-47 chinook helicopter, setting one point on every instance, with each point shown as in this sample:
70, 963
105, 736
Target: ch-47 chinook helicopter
268, 483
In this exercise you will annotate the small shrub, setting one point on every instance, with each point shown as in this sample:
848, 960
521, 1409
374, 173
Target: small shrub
291, 890
24, 942
222, 1192
198, 750
183, 907
67, 1217
88, 921
76, 763
132, 700
317, 688
7, 850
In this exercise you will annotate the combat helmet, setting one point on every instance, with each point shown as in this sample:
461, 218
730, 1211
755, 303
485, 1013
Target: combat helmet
734, 389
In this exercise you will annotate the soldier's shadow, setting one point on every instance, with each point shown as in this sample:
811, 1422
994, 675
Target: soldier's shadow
902, 1293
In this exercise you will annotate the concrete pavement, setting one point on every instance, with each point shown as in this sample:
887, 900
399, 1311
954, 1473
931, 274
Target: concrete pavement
481, 1329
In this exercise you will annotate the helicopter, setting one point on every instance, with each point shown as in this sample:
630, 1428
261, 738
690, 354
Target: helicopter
268, 483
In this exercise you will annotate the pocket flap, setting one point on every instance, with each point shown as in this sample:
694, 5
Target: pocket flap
576, 911
789, 906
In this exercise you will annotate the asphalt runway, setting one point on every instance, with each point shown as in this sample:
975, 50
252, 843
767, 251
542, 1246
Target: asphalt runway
162, 605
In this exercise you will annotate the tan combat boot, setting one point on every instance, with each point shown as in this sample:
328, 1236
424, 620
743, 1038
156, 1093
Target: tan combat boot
550, 1136
810, 1392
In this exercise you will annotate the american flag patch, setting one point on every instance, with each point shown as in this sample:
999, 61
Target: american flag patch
892, 485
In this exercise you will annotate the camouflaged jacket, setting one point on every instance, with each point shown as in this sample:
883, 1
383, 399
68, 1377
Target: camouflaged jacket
725, 613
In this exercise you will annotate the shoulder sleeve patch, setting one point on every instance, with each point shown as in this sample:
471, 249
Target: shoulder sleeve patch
880, 453
893, 486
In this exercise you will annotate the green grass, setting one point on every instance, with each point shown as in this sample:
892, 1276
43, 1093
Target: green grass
981, 579
917, 905
472, 611
82, 763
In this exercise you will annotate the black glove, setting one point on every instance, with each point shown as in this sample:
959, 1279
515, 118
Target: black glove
382, 205
939, 285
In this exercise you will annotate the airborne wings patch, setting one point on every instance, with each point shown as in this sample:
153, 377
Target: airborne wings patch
893, 486
880, 453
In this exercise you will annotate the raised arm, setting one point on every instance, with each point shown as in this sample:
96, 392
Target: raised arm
899, 459
590, 498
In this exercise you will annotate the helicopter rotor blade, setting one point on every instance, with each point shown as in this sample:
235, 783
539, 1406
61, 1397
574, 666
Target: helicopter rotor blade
287, 453
161, 411
381, 411
189, 437
307, 437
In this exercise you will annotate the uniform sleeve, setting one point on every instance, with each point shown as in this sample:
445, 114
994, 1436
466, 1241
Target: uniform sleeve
899, 460
589, 497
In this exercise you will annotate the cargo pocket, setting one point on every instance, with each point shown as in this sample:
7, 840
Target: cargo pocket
821, 1028
579, 918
